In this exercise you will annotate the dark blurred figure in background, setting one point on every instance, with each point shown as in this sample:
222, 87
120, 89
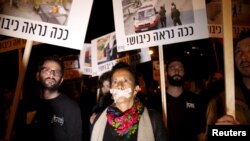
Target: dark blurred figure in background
214, 86
183, 107
154, 97
104, 96
6, 99
216, 111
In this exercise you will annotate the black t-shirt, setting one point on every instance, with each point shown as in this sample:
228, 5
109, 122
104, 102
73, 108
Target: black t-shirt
58, 119
183, 116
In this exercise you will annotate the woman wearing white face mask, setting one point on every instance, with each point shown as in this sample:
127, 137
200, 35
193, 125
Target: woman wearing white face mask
127, 119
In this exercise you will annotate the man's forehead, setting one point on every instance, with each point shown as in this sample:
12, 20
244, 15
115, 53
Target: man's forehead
244, 43
174, 63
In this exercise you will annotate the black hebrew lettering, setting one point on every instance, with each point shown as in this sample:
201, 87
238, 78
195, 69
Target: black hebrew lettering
138, 39
59, 34
185, 31
25, 27
67, 33
214, 29
5, 23
32, 28
162, 35
42, 30
61, 30
13, 23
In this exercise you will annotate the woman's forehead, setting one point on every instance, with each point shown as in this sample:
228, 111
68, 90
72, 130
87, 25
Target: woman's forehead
122, 73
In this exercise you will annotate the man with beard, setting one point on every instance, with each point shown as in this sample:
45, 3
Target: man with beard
57, 117
183, 108
217, 108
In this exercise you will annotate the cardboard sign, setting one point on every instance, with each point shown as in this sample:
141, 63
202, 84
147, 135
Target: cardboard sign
139, 24
101, 55
62, 23
240, 17
12, 44
85, 59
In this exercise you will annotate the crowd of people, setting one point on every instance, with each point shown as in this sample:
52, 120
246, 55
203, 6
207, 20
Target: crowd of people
119, 113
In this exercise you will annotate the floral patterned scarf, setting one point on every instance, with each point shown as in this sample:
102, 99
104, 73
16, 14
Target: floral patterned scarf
125, 123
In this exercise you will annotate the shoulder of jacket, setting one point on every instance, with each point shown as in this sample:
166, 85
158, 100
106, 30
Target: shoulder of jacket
153, 114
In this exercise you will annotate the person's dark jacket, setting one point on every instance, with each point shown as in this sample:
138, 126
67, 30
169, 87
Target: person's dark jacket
157, 125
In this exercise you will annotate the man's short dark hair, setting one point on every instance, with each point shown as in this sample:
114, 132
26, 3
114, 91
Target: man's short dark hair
54, 58
106, 76
175, 58
243, 35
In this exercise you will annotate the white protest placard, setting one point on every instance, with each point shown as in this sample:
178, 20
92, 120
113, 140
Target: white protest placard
104, 54
62, 23
240, 17
71, 67
138, 23
85, 59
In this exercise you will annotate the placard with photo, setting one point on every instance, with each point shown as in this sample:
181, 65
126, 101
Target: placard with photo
104, 54
240, 17
59, 22
147, 23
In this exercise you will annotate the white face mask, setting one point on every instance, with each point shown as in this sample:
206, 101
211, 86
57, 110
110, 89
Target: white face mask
117, 93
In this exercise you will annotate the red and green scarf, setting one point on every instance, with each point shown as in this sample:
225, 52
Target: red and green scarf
125, 123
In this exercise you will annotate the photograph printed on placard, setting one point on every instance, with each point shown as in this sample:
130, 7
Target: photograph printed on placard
146, 23
58, 22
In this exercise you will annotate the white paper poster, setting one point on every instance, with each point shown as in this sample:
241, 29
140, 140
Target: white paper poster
104, 54
139, 24
240, 17
72, 67
86, 59
59, 22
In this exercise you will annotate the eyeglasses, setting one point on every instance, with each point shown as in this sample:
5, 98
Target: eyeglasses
47, 71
